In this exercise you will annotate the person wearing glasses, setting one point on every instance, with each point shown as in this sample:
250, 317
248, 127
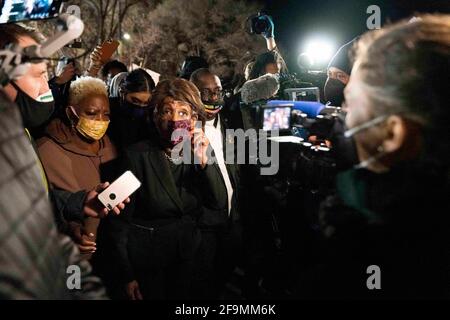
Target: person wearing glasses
385, 235
221, 234
155, 241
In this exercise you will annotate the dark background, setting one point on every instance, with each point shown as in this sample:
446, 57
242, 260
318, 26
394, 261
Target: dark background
296, 21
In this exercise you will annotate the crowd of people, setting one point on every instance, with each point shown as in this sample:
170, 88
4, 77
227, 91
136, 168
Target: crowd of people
202, 229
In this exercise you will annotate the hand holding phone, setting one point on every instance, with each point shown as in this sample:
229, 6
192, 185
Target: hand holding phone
101, 54
107, 49
93, 208
119, 190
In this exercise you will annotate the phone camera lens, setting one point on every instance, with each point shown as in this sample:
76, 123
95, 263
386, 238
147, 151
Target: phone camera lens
112, 196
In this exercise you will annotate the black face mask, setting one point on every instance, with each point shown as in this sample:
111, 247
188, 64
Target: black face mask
133, 110
334, 92
344, 148
34, 113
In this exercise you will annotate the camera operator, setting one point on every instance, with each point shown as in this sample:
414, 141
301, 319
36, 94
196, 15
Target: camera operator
233, 83
263, 74
392, 209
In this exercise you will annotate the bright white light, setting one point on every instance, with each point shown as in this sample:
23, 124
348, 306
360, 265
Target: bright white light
126, 36
319, 50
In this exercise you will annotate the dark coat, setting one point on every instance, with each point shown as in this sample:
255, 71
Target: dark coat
233, 170
71, 168
158, 231
400, 225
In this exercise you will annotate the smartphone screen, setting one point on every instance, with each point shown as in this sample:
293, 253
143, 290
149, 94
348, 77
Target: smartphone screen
24, 10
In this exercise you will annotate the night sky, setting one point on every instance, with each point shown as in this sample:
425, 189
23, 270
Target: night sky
340, 21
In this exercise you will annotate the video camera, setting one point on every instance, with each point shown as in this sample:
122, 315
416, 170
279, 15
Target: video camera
298, 118
258, 23
307, 132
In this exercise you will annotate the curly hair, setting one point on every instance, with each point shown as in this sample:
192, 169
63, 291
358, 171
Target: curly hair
182, 90
84, 87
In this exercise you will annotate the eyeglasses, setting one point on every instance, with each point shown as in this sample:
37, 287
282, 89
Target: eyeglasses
207, 93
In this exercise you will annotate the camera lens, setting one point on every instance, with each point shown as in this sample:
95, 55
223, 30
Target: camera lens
112, 196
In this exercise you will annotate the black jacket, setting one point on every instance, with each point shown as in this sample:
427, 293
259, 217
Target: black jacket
401, 226
157, 203
234, 175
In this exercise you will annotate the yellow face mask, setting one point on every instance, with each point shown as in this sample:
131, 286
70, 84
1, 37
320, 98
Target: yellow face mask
91, 129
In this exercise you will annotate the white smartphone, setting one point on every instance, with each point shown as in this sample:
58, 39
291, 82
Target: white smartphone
119, 190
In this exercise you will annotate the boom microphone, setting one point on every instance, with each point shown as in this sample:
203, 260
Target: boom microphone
261, 88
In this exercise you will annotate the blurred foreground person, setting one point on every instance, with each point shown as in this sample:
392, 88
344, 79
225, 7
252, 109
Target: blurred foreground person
387, 233
34, 256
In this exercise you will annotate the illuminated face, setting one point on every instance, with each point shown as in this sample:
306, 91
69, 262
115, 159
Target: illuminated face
35, 81
174, 110
94, 107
